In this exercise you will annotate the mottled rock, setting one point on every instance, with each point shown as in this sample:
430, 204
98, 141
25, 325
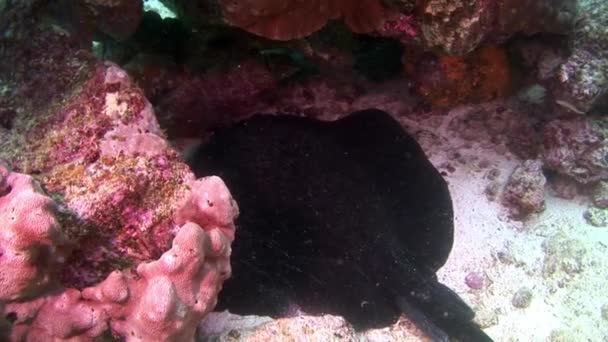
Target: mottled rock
524, 193
457, 27
95, 145
564, 257
164, 300
486, 317
577, 148
522, 298
599, 194
596, 217
564, 187
582, 79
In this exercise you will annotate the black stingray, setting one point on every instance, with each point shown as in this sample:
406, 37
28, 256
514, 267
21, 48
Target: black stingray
346, 217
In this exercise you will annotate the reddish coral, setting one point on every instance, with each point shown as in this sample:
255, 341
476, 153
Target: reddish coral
362, 16
450, 80
285, 20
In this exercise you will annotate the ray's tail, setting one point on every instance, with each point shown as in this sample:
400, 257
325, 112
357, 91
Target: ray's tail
441, 313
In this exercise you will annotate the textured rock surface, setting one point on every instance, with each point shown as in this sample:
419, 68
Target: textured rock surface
596, 217
457, 27
576, 148
164, 300
524, 192
599, 194
583, 79
94, 144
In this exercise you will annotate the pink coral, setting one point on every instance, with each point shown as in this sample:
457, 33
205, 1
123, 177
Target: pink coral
164, 300
30, 239
211, 206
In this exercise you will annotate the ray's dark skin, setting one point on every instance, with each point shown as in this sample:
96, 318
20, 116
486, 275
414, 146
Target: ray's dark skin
346, 217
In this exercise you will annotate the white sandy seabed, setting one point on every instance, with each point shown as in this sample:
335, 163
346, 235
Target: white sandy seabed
555, 257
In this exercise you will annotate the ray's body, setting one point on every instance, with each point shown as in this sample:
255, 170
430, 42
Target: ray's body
346, 217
